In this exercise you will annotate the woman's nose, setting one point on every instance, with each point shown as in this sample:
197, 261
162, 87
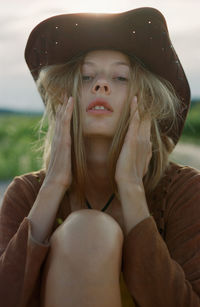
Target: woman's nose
101, 86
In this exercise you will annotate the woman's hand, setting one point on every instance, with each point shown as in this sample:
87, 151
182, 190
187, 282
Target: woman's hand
136, 151
59, 169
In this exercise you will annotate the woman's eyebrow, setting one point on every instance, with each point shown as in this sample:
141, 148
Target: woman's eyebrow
114, 63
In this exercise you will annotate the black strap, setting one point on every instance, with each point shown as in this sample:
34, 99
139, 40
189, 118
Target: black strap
106, 206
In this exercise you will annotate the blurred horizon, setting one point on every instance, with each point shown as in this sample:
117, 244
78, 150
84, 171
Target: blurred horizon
18, 18
23, 111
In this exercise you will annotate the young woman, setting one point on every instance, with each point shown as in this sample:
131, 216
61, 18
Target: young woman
116, 98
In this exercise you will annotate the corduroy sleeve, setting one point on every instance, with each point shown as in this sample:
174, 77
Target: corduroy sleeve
167, 272
21, 256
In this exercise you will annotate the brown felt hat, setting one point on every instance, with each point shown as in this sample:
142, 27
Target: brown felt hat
141, 33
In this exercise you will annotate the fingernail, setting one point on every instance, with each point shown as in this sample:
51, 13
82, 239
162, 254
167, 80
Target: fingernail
70, 99
135, 99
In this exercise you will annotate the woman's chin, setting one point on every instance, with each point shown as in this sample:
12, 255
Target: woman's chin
98, 134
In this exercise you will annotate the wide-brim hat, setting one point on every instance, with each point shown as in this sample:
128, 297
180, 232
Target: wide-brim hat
141, 33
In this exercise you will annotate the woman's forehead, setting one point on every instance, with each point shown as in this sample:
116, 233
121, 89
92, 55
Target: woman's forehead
109, 56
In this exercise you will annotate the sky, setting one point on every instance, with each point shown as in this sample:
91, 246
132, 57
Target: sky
19, 17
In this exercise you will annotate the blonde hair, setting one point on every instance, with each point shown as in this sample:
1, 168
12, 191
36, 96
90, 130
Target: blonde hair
155, 96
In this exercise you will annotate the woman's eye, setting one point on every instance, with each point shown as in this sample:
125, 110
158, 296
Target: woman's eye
122, 78
87, 78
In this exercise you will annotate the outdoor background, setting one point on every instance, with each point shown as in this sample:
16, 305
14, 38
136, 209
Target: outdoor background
20, 104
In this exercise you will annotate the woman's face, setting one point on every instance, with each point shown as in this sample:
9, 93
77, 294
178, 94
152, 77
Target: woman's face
105, 77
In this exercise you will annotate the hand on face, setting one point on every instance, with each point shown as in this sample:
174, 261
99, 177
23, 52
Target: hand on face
136, 151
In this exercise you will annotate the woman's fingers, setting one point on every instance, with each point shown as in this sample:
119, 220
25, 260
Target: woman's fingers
141, 136
68, 109
134, 105
59, 169
134, 122
145, 127
146, 145
64, 111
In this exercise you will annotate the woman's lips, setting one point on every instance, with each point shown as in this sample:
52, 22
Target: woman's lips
99, 112
99, 102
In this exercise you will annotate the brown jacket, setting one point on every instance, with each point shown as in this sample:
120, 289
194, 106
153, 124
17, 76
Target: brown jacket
161, 255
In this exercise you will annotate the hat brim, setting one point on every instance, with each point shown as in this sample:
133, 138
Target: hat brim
141, 33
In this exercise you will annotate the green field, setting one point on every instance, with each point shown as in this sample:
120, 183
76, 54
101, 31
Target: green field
18, 136
191, 132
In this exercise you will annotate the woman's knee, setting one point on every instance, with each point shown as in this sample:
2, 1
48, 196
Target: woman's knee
89, 231
85, 254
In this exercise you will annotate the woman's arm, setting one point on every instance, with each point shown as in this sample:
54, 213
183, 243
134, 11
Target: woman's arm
21, 256
58, 175
132, 216
43, 213
26, 221
159, 273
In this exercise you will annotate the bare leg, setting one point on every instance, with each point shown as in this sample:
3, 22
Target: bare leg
84, 264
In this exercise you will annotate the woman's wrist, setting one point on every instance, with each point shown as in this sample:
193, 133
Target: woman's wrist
49, 184
134, 205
